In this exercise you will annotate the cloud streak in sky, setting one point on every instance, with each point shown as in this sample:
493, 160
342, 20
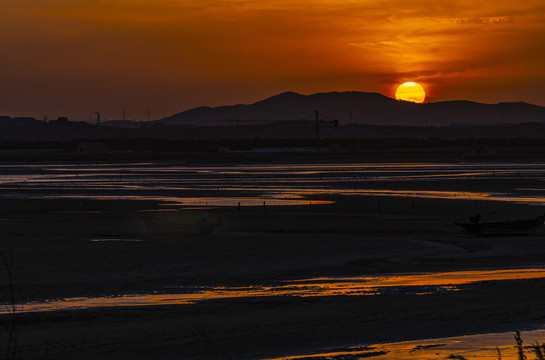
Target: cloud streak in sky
186, 53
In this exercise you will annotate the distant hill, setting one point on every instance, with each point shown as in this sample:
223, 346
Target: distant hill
359, 107
291, 116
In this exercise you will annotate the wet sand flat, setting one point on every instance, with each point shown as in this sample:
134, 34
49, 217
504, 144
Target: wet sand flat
65, 248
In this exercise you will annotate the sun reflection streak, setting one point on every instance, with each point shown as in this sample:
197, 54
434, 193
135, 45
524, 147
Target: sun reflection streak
417, 284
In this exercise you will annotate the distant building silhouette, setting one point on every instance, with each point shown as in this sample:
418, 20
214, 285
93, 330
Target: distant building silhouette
23, 121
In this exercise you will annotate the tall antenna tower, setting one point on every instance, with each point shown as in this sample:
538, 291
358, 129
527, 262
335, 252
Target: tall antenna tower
98, 118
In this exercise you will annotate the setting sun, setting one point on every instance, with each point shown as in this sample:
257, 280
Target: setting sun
411, 91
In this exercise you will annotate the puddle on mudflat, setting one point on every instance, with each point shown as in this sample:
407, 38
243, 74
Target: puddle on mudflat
416, 284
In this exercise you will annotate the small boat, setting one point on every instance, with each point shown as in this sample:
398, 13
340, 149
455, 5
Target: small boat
508, 227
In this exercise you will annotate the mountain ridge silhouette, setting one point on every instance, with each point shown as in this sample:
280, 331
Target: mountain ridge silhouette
360, 108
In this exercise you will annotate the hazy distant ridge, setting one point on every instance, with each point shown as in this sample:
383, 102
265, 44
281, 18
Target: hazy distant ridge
360, 107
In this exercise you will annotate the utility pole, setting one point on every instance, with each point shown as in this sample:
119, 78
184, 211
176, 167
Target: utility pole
98, 118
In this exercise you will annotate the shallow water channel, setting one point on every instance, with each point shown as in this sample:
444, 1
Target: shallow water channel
416, 284
189, 185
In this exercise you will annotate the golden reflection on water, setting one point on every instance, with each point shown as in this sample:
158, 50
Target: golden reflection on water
451, 195
424, 283
234, 201
295, 197
445, 278
251, 184
471, 347
208, 201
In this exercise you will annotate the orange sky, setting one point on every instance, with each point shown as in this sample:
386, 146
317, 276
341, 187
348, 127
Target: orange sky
72, 58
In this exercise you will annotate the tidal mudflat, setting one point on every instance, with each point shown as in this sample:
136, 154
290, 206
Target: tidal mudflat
112, 231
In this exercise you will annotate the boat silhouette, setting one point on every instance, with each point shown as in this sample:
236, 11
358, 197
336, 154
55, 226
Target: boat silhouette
507, 227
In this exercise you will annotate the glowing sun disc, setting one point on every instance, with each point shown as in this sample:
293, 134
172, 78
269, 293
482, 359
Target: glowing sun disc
411, 91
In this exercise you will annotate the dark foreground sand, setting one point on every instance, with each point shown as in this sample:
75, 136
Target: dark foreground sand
54, 257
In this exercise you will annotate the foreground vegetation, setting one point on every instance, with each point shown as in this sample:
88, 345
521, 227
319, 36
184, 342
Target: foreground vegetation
538, 349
